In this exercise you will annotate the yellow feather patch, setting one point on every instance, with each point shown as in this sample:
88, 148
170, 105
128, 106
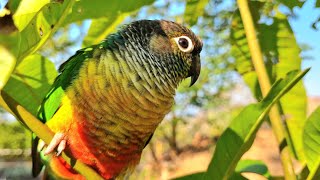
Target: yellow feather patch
62, 119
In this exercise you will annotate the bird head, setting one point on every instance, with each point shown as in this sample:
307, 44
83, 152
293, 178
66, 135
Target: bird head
170, 48
185, 45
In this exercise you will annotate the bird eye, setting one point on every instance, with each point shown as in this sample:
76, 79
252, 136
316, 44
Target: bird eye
184, 43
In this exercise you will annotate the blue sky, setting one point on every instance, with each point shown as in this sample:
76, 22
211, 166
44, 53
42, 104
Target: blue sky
305, 34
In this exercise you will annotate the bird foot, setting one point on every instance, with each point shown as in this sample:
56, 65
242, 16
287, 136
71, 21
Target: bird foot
58, 141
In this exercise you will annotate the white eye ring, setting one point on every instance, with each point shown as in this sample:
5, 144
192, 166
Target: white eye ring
184, 43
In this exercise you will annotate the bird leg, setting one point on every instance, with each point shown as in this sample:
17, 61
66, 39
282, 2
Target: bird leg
58, 141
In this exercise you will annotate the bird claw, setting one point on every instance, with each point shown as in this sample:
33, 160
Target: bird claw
58, 141
41, 145
61, 147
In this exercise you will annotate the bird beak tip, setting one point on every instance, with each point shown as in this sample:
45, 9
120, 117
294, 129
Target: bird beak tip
194, 79
195, 70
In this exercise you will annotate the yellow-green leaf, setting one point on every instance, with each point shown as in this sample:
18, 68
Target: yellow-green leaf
26, 11
111, 16
42, 26
281, 53
311, 140
239, 136
101, 27
31, 81
91, 9
7, 62
7, 56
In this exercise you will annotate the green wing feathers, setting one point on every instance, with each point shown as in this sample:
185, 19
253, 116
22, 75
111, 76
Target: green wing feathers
68, 71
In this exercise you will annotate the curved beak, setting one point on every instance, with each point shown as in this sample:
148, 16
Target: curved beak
195, 68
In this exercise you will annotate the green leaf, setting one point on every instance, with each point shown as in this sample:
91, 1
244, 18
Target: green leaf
253, 166
100, 28
311, 139
194, 9
8, 52
26, 11
292, 3
239, 136
318, 3
191, 176
278, 40
42, 26
281, 52
293, 104
240, 48
30, 81
200, 175
13, 5
90, 9
38, 23
314, 174
237, 176
116, 12
7, 63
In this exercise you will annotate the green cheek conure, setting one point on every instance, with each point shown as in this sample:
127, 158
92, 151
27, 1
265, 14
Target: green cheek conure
109, 98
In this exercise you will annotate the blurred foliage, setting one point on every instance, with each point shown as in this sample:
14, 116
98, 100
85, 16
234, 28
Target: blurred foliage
14, 136
194, 9
63, 42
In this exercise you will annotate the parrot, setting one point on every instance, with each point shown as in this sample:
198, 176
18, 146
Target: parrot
109, 98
